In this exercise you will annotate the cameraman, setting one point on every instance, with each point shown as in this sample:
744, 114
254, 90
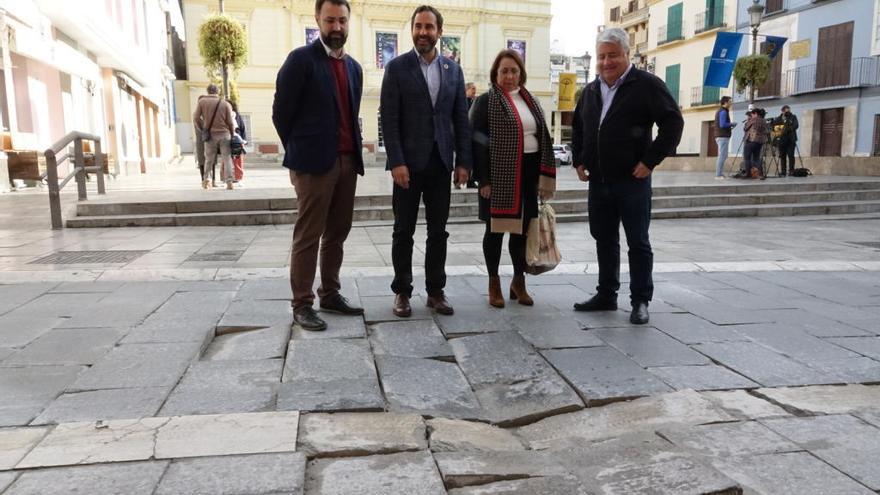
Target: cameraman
755, 130
787, 140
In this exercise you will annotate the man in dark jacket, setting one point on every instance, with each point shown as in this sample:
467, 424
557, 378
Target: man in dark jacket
787, 140
317, 102
723, 128
613, 150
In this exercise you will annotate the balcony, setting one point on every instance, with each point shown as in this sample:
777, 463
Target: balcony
709, 19
705, 95
860, 72
670, 32
632, 18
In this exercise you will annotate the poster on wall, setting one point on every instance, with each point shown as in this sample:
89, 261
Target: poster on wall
450, 47
518, 46
386, 48
312, 35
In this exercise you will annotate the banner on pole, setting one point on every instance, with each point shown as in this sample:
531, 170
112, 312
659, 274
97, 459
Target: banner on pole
773, 46
567, 90
723, 59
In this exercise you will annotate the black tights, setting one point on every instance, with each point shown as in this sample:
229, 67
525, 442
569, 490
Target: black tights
516, 244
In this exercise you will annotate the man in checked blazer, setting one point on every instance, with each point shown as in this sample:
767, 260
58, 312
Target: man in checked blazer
427, 134
317, 101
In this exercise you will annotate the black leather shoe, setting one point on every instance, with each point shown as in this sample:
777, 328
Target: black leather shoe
639, 315
338, 304
596, 303
439, 304
308, 319
402, 309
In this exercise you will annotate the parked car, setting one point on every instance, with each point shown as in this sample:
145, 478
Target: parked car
562, 153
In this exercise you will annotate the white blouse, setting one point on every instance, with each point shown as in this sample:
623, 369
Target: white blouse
529, 124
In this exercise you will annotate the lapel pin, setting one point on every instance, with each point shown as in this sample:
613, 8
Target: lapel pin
446, 66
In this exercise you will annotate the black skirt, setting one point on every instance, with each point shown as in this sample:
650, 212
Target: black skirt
531, 163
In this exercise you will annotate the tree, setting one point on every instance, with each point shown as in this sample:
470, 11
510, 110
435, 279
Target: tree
751, 71
223, 46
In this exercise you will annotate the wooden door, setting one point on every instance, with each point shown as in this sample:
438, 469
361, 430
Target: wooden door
834, 55
828, 132
709, 133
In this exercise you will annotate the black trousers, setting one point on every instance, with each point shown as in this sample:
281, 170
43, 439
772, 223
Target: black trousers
625, 201
786, 154
516, 245
433, 187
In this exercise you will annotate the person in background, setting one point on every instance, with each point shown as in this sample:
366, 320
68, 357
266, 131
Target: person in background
239, 139
723, 128
470, 91
214, 115
787, 140
756, 135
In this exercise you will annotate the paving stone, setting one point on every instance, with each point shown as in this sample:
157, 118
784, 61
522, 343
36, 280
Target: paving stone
90, 443
213, 286
796, 472
266, 288
813, 324
476, 468
6, 479
826, 399
691, 329
256, 314
329, 375
360, 434
67, 346
5, 352
793, 342
451, 435
416, 339
743, 405
554, 331
475, 319
852, 370
845, 442
218, 387
728, 439
744, 299
763, 365
18, 330
393, 474
267, 343
601, 374
13, 296
380, 308
235, 475
650, 347
338, 327
27, 391
866, 346
725, 315
604, 319
647, 414
60, 305
426, 387
15, 443
138, 366
171, 331
708, 377
226, 434
870, 416
120, 403
132, 478
547, 485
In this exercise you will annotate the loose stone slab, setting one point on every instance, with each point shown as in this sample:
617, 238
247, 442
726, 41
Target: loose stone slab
708, 377
117, 403
90, 443
451, 435
380, 308
796, 472
427, 387
338, 327
474, 319
845, 442
728, 439
360, 434
266, 288
476, 468
548, 485
236, 474
647, 414
554, 331
649, 347
393, 474
763, 365
170, 331
416, 339
256, 314
267, 343
218, 387
691, 329
743, 405
132, 478
15, 443
67, 347
826, 399
225, 434
601, 374
139, 365
26, 391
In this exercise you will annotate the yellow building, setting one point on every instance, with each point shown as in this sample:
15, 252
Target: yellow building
475, 29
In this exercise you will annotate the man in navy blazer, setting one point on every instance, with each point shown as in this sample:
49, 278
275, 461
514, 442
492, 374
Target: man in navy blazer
427, 134
317, 102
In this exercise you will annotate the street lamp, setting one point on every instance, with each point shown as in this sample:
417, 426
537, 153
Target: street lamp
756, 12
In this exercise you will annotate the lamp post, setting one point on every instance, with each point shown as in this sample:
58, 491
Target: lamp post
756, 12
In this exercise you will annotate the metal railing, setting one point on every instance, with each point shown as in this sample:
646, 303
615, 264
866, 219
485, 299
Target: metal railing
667, 35
634, 16
709, 19
858, 72
705, 95
79, 171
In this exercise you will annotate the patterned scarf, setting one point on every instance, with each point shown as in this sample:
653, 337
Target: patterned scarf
505, 158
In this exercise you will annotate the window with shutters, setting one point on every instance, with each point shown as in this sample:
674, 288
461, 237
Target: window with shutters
673, 75
615, 14
834, 55
673, 22
773, 84
774, 6
711, 95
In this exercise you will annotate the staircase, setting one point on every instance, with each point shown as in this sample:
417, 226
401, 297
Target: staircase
813, 196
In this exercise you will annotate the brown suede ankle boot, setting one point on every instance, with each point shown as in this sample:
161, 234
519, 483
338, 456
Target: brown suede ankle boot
518, 290
496, 298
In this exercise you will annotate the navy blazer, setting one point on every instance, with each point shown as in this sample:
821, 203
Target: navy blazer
305, 110
411, 125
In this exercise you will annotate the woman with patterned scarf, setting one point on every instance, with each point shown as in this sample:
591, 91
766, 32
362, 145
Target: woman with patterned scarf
513, 165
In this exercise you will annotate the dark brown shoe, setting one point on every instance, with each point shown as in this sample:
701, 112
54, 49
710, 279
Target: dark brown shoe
402, 308
338, 304
496, 298
439, 304
308, 319
518, 291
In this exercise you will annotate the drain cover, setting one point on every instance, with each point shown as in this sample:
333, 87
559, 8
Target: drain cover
86, 257
216, 256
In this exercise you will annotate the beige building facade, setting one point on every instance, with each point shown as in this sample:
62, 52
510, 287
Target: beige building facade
473, 31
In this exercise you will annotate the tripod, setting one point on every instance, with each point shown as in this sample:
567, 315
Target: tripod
771, 148
736, 172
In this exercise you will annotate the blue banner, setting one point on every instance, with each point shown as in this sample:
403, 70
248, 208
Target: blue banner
773, 46
723, 59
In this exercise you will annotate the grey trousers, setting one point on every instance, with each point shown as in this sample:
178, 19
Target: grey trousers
225, 155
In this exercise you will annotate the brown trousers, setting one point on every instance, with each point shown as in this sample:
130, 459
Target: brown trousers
316, 196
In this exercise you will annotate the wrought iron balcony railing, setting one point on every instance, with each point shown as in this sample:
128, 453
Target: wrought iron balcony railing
670, 32
709, 19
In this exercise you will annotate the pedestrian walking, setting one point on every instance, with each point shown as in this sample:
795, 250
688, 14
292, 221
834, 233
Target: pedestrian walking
613, 150
317, 102
213, 120
200, 150
424, 121
239, 139
513, 166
